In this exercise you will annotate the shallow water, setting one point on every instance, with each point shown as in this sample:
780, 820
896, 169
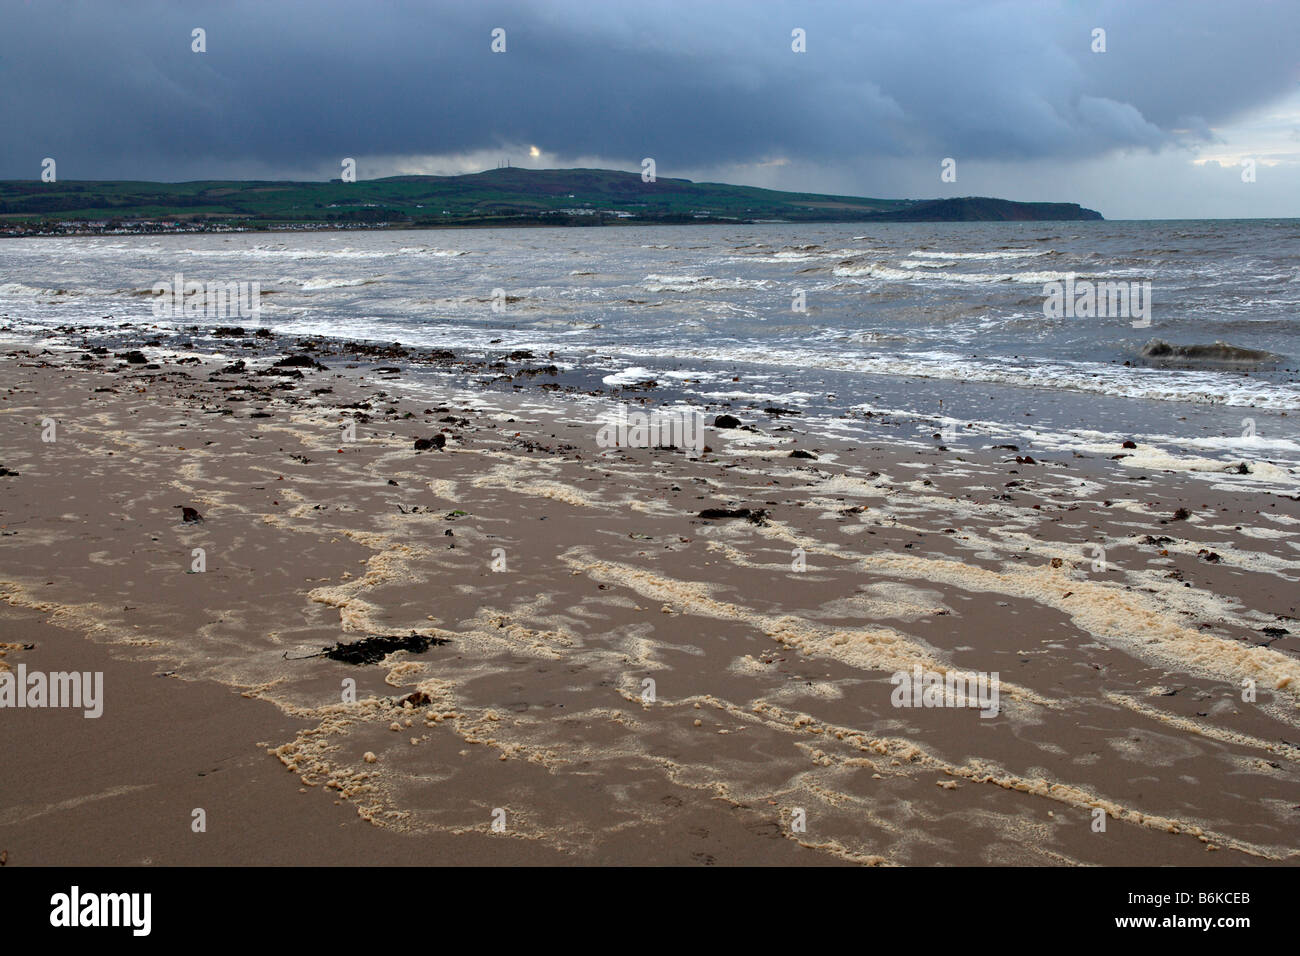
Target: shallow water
937, 320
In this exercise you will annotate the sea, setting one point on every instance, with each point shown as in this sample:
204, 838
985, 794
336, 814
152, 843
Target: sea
933, 323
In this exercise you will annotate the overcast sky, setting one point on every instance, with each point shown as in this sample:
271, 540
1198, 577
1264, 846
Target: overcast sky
1157, 126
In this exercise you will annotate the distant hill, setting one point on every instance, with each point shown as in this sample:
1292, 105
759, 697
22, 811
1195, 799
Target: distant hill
508, 196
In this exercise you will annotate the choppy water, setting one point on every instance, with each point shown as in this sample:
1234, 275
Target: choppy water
934, 319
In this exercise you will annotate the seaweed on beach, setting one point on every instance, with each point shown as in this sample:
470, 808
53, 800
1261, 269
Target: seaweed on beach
753, 515
372, 650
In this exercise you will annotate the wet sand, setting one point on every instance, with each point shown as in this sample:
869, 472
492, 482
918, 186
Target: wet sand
563, 576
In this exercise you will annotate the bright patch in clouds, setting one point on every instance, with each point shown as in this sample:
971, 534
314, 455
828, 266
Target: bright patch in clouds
1270, 136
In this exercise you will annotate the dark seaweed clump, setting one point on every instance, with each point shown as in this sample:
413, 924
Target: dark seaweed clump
753, 515
372, 650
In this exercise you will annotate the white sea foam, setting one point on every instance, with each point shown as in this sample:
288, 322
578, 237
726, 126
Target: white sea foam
1206, 387
666, 283
320, 283
21, 289
1000, 254
629, 376
877, 270
296, 254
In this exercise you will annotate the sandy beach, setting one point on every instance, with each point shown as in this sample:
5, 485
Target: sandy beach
610, 677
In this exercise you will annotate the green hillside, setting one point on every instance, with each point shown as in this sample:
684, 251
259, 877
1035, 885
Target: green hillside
493, 197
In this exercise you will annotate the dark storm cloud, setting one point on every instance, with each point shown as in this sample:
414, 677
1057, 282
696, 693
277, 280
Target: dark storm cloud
112, 90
